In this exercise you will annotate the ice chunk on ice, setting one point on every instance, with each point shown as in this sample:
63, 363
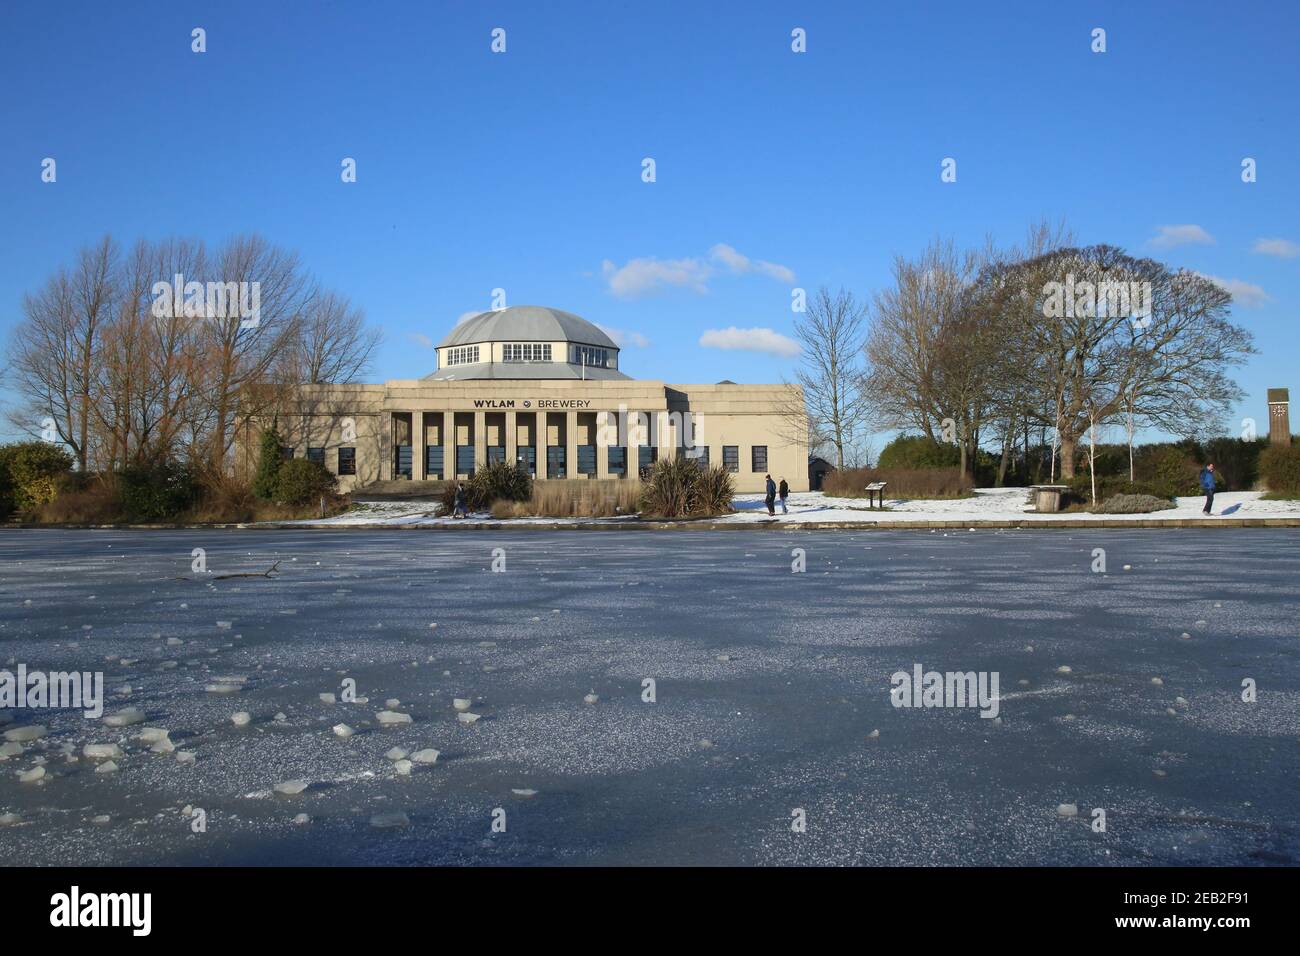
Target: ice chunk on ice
125, 717
1067, 810
461, 703
25, 734
343, 730
426, 756
291, 787
31, 776
391, 718
101, 751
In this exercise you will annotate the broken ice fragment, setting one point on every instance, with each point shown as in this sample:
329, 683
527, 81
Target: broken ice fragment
25, 734
125, 718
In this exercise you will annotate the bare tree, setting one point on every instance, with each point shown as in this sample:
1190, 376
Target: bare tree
131, 375
54, 351
831, 332
1109, 333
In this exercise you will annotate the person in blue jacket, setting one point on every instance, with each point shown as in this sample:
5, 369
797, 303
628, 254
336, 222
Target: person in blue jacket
1207, 485
770, 495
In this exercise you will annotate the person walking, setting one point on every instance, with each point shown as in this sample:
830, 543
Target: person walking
784, 491
459, 510
1207, 485
770, 499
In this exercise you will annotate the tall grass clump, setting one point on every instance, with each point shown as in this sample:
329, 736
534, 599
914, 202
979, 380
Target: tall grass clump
900, 482
499, 481
682, 488
604, 498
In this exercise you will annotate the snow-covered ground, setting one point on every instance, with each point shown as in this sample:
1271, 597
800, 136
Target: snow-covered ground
988, 504
994, 504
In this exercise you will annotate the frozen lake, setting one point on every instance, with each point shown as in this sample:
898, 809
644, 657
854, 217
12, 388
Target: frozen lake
768, 687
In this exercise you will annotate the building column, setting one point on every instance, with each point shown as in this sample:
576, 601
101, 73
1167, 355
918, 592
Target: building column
571, 444
480, 441
386, 446
602, 452
539, 443
449, 445
664, 435
418, 458
512, 440
633, 448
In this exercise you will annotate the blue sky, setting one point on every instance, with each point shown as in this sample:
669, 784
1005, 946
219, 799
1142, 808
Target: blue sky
522, 170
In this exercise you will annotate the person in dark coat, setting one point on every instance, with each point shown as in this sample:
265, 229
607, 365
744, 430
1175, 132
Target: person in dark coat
459, 510
1207, 485
784, 491
771, 496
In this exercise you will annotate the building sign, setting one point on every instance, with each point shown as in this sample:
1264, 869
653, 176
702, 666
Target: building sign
542, 403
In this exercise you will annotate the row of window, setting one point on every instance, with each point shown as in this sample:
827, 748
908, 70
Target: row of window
591, 356
526, 351
347, 463
529, 352
462, 355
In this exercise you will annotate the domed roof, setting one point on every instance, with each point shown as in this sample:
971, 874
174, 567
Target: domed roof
527, 323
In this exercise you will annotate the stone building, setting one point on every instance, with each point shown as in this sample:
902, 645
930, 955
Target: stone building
541, 388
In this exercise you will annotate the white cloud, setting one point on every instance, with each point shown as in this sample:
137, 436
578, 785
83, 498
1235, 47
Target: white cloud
1245, 293
646, 275
1282, 248
737, 262
732, 339
421, 340
1185, 235
623, 339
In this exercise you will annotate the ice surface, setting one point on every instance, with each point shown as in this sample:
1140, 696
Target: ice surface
772, 692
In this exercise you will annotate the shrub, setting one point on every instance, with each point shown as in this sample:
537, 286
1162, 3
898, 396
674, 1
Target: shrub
1132, 505
1279, 465
97, 503
1236, 462
1171, 469
156, 492
1108, 486
901, 482
918, 452
683, 488
31, 473
302, 481
499, 481
268, 464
